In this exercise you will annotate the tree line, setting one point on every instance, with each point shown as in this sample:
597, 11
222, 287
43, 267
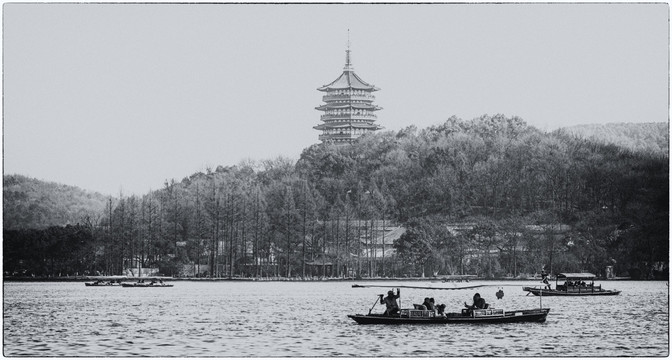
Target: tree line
490, 196
33, 204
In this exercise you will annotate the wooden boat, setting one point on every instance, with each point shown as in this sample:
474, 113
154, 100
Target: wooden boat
113, 280
145, 285
574, 284
148, 282
479, 316
103, 283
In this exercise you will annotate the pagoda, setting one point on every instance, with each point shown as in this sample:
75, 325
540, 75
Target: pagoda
348, 108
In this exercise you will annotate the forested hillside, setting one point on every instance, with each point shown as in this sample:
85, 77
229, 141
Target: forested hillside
645, 137
525, 199
34, 204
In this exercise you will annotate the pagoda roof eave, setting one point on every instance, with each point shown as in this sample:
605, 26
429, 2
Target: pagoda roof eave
342, 126
329, 87
345, 106
348, 80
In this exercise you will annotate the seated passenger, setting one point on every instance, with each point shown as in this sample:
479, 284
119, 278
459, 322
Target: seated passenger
441, 309
479, 303
427, 304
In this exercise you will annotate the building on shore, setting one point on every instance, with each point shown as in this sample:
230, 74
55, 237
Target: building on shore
349, 111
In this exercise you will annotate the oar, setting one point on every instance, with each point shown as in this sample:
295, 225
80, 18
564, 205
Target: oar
374, 304
399, 298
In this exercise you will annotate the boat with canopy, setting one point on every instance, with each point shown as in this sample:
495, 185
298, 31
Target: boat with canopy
572, 284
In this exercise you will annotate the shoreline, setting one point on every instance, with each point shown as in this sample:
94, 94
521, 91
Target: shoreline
221, 279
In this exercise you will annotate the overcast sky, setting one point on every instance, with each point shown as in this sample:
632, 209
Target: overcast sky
113, 97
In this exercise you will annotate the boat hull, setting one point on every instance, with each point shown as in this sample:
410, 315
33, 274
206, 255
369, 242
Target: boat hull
533, 315
93, 284
549, 292
146, 285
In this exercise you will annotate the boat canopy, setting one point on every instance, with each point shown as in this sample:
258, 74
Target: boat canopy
576, 276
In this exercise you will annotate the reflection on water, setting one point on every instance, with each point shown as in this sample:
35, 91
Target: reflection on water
308, 319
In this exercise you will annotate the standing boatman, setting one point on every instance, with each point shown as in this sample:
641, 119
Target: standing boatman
390, 301
544, 279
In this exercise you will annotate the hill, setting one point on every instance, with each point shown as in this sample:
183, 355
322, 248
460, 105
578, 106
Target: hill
645, 137
34, 204
280, 217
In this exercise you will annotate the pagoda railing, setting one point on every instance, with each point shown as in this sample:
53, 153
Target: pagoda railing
364, 124
333, 97
327, 117
337, 112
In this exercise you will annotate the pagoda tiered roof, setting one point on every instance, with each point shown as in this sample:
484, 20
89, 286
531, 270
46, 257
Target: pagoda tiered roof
348, 80
349, 109
364, 106
353, 125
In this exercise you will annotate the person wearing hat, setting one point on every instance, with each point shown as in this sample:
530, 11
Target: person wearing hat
390, 301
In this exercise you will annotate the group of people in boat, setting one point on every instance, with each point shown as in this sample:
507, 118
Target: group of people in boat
159, 282
392, 307
106, 282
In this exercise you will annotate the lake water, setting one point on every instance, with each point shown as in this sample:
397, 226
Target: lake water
308, 319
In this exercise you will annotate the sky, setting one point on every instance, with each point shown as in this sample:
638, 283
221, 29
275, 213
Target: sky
118, 98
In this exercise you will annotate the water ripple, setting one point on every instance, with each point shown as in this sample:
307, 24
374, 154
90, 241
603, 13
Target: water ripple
285, 319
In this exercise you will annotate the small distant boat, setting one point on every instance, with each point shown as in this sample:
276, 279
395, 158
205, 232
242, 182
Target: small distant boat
113, 280
103, 283
574, 285
143, 284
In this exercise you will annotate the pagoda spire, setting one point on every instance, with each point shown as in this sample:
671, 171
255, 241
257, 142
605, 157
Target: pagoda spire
348, 64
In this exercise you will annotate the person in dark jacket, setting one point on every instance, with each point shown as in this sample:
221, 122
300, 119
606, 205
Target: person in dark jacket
479, 303
427, 304
390, 301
